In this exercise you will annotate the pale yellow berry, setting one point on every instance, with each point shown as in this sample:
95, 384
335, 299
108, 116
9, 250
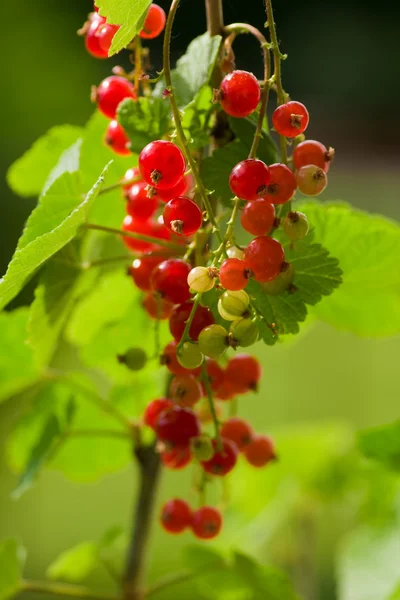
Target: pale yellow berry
201, 279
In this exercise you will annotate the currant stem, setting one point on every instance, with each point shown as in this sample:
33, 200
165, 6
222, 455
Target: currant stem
178, 123
277, 70
135, 236
185, 335
119, 184
215, 17
210, 399
63, 589
138, 63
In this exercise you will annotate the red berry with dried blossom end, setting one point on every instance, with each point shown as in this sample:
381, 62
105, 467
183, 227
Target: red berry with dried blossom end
139, 205
92, 42
184, 185
264, 256
239, 93
244, 373
283, 184
176, 516
237, 431
156, 307
185, 390
177, 458
177, 426
226, 390
203, 317
233, 274
206, 522
170, 360
223, 460
106, 35
290, 119
182, 216
169, 279
249, 179
117, 139
162, 164
258, 217
311, 180
141, 270
154, 23
111, 92
311, 152
260, 451
154, 410
150, 228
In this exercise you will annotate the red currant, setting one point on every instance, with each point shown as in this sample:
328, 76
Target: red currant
258, 217
154, 22
206, 522
202, 318
226, 390
150, 228
239, 93
176, 516
154, 409
106, 34
132, 176
311, 152
177, 458
185, 390
111, 92
215, 373
223, 460
260, 451
283, 184
176, 426
290, 119
117, 139
182, 216
311, 180
92, 42
244, 372
162, 164
169, 279
184, 186
264, 256
139, 205
169, 359
249, 179
156, 307
141, 270
233, 274
237, 431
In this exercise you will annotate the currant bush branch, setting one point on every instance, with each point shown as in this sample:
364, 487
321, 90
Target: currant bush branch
211, 404
63, 589
135, 236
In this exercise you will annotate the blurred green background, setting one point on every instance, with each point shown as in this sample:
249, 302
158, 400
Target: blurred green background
340, 65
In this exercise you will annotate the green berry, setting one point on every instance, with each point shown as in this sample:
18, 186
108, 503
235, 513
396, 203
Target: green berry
295, 225
134, 358
243, 332
235, 252
202, 448
213, 341
202, 279
189, 356
233, 305
281, 283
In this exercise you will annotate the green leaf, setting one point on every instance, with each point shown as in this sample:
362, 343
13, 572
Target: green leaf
39, 455
382, 443
129, 14
199, 557
18, 370
195, 119
368, 564
193, 69
217, 168
12, 557
265, 582
144, 120
316, 274
245, 129
27, 175
74, 565
368, 249
52, 225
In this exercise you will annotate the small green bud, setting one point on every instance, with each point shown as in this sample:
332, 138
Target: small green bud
134, 358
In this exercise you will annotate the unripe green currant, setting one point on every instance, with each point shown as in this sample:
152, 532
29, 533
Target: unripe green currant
202, 279
243, 332
213, 341
235, 252
202, 448
134, 358
311, 180
295, 225
281, 283
189, 355
233, 305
